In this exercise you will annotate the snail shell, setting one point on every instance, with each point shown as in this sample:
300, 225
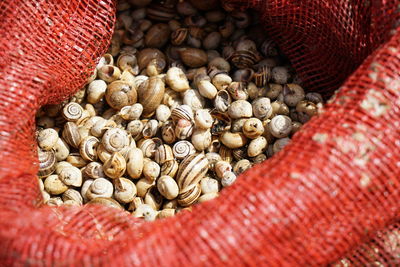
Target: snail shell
280, 126
262, 108
179, 36
47, 138
228, 179
253, 128
163, 113
95, 91
168, 133
292, 94
100, 187
150, 129
87, 148
182, 112
240, 109
143, 186
167, 187
239, 153
183, 149
163, 153
238, 91
201, 139
222, 167
102, 153
101, 126
151, 170
193, 99
207, 197
222, 101
193, 57
203, 119
153, 198
226, 154
176, 79
115, 139
151, 93
54, 201
120, 94
131, 112
212, 159
190, 196
76, 160
280, 144
183, 129
233, 140
125, 192
135, 128
207, 89
165, 213
94, 170
47, 163
241, 166
71, 176
221, 81
148, 147
170, 168
134, 165
280, 108
115, 166
71, 134
74, 195
209, 185
54, 186
171, 204
191, 170
72, 111
145, 211
257, 146
106, 201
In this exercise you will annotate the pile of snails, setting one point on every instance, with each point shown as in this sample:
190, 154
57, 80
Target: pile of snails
188, 97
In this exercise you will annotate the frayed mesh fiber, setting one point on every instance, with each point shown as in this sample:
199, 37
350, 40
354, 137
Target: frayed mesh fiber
330, 197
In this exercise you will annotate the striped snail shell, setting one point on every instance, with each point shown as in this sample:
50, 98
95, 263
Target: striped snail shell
183, 149
163, 153
47, 163
188, 197
72, 194
183, 129
71, 134
87, 148
170, 168
182, 112
191, 170
115, 166
148, 147
72, 111
115, 139
100, 188
168, 133
151, 93
94, 170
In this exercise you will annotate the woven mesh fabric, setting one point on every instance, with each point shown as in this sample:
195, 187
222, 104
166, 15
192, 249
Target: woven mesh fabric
332, 189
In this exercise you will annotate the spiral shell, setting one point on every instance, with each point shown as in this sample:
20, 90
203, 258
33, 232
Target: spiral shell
47, 138
74, 195
125, 191
87, 148
151, 93
134, 164
94, 170
115, 166
54, 186
72, 111
182, 112
169, 168
71, 176
212, 159
120, 94
183, 129
148, 147
163, 153
47, 163
115, 139
131, 112
280, 126
222, 101
168, 133
71, 134
100, 187
191, 170
241, 166
150, 129
201, 139
183, 149
190, 196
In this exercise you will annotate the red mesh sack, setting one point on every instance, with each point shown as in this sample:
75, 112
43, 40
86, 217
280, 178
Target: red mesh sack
332, 193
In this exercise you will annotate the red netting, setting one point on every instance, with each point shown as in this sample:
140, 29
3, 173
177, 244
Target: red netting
313, 203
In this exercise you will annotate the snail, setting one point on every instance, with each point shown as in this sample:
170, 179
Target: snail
71, 134
183, 149
151, 170
240, 109
163, 153
189, 196
169, 168
257, 146
253, 128
209, 185
94, 170
151, 93
115, 139
167, 187
87, 148
134, 164
115, 166
120, 94
191, 170
100, 187
72, 112
72, 194
176, 79
201, 139
47, 138
233, 140
125, 191
47, 162
280, 126
54, 186
71, 176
